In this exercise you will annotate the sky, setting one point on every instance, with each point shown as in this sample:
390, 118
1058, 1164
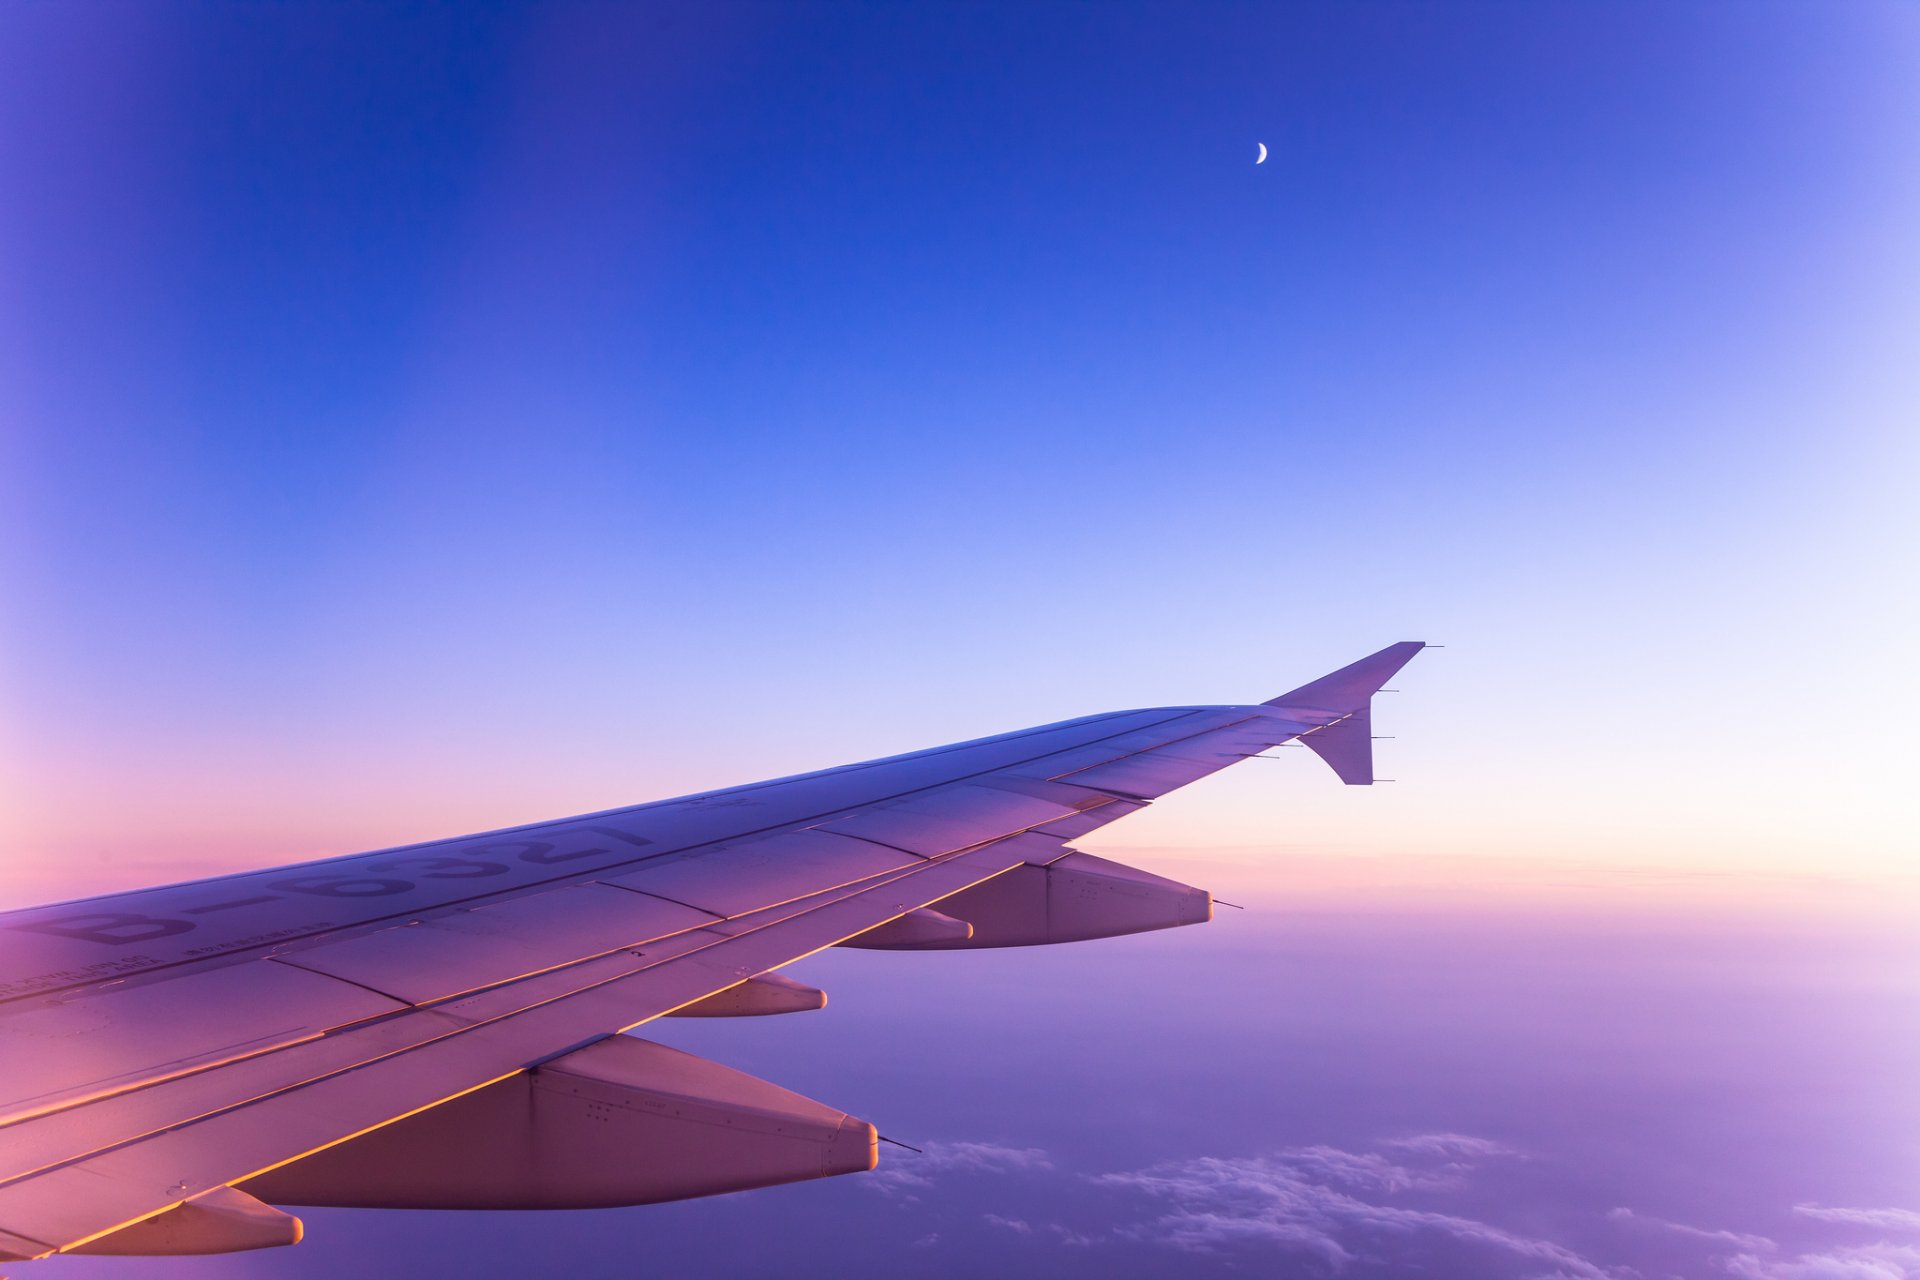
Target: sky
421, 419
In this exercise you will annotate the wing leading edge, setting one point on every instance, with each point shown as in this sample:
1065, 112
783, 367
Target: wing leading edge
176, 1061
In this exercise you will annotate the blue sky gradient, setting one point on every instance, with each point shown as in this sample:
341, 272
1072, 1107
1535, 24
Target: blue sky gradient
496, 404
420, 419
520, 389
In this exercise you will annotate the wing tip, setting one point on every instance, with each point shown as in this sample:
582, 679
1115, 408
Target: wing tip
1352, 686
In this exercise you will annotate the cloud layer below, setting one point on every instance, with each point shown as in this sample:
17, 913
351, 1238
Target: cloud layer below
1421, 1200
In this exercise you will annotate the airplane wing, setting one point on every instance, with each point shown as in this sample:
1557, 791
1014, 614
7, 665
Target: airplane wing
438, 1025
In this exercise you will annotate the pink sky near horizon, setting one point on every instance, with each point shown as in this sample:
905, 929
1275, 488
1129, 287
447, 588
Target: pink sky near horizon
1281, 826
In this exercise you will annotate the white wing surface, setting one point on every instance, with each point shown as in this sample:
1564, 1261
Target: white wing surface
438, 1025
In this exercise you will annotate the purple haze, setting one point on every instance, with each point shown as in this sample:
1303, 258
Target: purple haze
1313, 1087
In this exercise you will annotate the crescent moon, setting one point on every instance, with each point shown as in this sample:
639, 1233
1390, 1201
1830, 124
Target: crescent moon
1262, 159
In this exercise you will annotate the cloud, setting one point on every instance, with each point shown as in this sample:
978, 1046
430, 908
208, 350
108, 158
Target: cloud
1333, 1208
1452, 1146
1068, 1236
1885, 1219
1428, 1162
1881, 1261
906, 1176
1361, 1170
1324, 1202
1738, 1239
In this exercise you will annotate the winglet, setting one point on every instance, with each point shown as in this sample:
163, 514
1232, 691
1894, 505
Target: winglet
1350, 688
1345, 699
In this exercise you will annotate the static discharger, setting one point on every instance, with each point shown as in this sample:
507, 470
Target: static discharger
883, 1137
